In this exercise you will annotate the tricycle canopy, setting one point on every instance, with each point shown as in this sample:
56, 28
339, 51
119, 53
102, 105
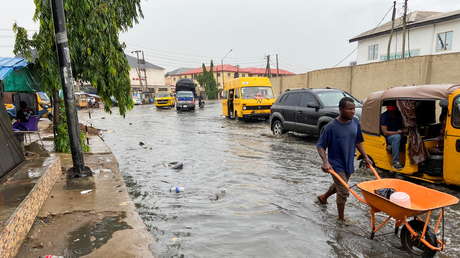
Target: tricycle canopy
370, 118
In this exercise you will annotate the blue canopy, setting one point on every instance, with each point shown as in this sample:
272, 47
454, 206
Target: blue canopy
9, 64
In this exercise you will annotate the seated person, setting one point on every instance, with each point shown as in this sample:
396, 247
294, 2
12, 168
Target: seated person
391, 124
22, 116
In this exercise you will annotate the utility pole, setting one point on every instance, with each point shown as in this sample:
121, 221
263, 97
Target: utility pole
392, 29
145, 72
404, 29
67, 81
277, 67
141, 69
222, 67
268, 70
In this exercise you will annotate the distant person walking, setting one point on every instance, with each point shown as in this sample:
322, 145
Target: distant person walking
336, 147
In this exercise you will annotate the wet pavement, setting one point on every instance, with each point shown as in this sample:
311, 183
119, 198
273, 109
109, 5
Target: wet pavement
246, 193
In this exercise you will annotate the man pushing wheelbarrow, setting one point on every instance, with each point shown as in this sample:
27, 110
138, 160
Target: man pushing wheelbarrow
340, 139
419, 235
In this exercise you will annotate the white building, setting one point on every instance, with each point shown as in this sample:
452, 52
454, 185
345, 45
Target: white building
428, 33
145, 84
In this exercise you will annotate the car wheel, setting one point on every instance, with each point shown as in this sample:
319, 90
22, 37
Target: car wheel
277, 128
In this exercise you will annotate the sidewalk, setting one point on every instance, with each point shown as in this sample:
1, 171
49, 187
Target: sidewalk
98, 223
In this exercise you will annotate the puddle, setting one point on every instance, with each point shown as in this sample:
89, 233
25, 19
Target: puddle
94, 235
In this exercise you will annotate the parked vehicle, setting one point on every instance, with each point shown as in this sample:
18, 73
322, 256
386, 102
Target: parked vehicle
307, 110
434, 140
137, 99
247, 97
44, 103
81, 99
164, 100
38, 101
185, 95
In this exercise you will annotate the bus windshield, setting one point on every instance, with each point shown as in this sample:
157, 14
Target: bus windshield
261, 92
163, 95
184, 94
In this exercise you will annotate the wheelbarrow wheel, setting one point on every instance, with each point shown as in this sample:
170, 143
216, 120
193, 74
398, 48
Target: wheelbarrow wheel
414, 245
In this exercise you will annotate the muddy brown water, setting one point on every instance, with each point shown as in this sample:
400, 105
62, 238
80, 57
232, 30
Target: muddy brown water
247, 194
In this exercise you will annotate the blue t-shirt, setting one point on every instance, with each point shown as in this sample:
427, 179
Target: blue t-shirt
392, 122
340, 139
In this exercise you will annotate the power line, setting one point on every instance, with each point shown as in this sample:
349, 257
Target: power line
173, 54
347, 56
356, 48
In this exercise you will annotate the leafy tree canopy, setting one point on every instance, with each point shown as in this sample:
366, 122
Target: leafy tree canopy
93, 28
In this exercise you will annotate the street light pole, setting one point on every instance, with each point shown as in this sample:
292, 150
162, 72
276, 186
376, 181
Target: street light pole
222, 67
67, 81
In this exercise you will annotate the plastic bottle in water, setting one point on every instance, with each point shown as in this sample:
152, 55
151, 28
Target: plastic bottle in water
177, 189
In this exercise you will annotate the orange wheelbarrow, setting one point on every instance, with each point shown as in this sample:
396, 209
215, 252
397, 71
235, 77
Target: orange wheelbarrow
417, 236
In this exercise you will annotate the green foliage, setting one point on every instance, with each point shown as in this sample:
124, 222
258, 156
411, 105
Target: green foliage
206, 79
93, 28
62, 141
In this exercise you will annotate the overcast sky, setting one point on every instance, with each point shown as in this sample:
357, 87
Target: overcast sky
307, 35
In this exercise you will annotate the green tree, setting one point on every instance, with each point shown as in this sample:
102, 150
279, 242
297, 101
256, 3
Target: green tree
98, 57
207, 81
211, 89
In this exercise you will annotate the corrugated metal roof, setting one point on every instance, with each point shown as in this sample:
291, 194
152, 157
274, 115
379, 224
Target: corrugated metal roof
8, 64
133, 63
178, 71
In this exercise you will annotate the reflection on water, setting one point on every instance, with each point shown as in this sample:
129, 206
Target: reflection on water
269, 186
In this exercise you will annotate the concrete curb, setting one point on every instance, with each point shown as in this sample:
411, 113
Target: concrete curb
19, 223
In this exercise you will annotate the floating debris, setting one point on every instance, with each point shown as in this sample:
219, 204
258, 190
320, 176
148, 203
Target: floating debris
86, 191
176, 165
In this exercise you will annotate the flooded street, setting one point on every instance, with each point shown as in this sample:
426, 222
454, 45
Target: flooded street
246, 193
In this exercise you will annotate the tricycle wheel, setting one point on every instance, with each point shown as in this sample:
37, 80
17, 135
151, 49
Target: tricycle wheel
414, 245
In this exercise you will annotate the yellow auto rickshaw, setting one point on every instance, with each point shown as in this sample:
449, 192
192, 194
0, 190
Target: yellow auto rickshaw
431, 121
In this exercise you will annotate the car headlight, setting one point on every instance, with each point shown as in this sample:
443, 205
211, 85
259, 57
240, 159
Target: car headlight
244, 107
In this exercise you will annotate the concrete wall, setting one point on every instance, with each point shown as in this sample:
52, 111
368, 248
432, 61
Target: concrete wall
361, 80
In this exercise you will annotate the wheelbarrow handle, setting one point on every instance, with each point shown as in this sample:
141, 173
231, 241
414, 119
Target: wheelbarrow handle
376, 174
355, 194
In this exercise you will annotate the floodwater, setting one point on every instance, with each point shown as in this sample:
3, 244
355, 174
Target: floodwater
247, 194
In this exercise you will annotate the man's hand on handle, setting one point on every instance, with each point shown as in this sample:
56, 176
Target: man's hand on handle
326, 167
368, 161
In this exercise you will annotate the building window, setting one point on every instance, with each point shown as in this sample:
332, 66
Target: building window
218, 74
444, 41
229, 74
373, 52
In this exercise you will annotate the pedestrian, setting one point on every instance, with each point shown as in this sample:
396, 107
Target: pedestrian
336, 147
